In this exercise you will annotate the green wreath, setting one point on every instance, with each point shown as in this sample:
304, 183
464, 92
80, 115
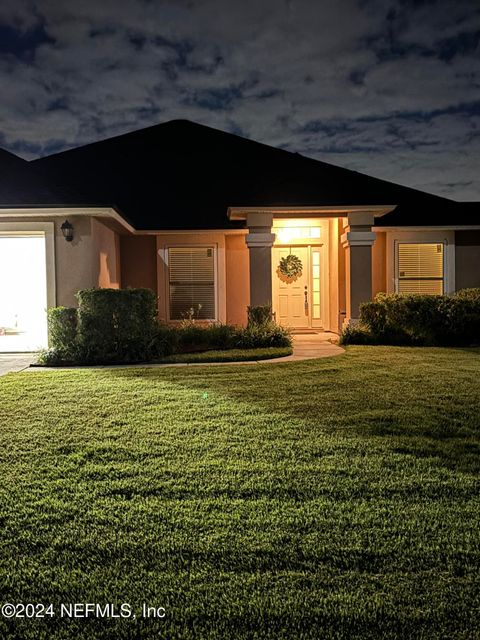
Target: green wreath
290, 266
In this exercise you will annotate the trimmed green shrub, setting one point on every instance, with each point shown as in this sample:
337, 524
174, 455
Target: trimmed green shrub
195, 337
423, 320
468, 294
53, 358
116, 325
62, 331
259, 315
356, 335
258, 336
461, 320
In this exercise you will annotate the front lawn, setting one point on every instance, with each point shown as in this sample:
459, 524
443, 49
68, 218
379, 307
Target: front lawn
336, 498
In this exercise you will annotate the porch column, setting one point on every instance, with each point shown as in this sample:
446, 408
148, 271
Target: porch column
259, 242
357, 241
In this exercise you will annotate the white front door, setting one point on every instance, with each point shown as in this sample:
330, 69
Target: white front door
292, 294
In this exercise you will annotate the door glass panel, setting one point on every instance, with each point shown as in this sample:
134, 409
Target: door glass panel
316, 313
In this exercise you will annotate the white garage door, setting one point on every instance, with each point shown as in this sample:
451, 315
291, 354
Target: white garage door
23, 293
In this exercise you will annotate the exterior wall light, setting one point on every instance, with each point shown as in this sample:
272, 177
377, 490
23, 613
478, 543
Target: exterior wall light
67, 230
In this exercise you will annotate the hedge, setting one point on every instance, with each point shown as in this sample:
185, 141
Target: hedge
419, 320
62, 330
116, 325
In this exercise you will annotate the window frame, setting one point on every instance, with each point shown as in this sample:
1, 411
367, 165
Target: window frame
419, 235
422, 279
209, 245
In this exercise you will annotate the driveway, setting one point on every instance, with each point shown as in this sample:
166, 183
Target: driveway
15, 361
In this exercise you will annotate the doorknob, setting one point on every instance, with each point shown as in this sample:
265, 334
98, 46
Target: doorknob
305, 293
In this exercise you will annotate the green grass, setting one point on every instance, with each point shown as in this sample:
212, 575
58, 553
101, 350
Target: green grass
230, 355
336, 498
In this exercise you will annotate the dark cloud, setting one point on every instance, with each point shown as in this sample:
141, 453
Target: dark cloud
388, 87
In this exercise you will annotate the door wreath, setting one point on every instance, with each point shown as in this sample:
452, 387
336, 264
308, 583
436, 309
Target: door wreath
290, 267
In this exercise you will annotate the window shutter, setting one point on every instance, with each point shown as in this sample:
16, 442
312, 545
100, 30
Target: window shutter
192, 282
420, 268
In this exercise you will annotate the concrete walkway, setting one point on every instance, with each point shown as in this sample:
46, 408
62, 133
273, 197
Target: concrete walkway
307, 346
15, 362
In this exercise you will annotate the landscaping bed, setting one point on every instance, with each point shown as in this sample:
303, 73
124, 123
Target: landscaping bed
120, 326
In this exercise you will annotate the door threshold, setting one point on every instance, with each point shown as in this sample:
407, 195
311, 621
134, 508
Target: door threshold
306, 332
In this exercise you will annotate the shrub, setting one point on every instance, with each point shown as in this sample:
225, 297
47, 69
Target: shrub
116, 325
220, 336
468, 294
165, 341
423, 320
53, 357
62, 330
259, 315
374, 316
195, 337
257, 336
461, 320
356, 335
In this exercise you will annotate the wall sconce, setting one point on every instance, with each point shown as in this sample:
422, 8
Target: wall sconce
67, 230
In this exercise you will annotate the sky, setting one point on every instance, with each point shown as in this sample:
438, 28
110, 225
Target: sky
387, 87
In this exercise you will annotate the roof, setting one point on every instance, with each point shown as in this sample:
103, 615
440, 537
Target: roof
19, 183
183, 175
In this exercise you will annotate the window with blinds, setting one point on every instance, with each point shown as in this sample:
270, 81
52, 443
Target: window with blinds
191, 282
421, 268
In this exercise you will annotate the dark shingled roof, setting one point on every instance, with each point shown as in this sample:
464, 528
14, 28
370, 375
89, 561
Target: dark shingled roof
183, 175
19, 183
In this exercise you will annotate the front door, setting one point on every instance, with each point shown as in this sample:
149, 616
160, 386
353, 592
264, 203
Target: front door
292, 292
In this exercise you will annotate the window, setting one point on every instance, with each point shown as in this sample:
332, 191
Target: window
316, 283
420, 267
192, 282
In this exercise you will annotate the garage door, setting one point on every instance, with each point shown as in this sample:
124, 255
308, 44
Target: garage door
23, 293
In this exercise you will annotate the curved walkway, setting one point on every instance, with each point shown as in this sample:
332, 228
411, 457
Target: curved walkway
307, 346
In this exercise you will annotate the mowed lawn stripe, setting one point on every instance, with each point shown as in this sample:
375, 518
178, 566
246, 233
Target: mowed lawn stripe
336, 498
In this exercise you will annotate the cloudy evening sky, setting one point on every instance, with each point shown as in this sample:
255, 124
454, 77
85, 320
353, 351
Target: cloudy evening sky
387, 87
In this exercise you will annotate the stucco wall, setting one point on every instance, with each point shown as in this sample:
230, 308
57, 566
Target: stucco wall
467, 259
139, 261
379, 264
237, 279
106, 256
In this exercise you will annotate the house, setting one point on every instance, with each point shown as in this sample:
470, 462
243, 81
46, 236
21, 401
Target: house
208, 220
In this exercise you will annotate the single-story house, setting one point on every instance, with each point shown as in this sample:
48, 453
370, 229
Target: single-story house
208, 220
